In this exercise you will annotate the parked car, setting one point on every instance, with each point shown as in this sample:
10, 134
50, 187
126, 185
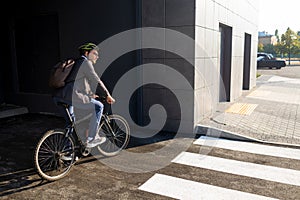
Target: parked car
268, 60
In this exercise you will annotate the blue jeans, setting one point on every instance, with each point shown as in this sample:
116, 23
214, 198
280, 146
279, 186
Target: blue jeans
96, 107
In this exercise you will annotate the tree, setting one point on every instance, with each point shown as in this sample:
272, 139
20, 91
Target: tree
276, 34
296, 49
289, 43
269, 48
279, 48
260, 47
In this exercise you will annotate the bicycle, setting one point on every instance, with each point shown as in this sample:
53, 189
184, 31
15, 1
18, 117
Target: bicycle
58, 149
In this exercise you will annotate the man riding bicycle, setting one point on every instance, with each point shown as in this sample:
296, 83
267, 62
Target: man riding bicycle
78, 91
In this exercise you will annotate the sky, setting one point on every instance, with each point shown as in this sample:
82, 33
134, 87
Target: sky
279, 14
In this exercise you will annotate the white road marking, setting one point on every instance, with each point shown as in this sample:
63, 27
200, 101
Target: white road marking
249, 147
185, 189
276, 174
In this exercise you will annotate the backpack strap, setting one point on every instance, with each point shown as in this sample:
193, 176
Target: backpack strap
72, 75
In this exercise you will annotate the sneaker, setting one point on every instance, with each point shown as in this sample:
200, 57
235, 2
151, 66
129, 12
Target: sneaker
95, 142
66, 158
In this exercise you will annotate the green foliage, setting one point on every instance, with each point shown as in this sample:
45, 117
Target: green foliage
260, 47
288, 44
288, 40
269, 48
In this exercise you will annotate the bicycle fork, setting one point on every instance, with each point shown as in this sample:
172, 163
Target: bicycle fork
108, 125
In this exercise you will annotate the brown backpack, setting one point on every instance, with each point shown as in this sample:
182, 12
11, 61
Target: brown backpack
60, 72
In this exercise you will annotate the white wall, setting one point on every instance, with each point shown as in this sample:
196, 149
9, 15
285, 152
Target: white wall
200, 19
242, 16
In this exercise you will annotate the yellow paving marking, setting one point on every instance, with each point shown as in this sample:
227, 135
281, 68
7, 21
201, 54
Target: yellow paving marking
241, 108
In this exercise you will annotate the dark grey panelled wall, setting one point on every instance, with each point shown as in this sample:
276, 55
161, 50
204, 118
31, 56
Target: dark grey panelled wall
177, 15
42, 32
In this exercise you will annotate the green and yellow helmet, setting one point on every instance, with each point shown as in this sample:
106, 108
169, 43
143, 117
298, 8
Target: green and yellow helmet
87, 47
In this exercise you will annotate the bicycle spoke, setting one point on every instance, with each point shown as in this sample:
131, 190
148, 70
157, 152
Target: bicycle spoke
117, 134
46, 164
44, 160
49, 152
60, 141
47, 146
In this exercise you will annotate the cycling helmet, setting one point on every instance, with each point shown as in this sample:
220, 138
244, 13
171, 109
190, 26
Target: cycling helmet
88, 47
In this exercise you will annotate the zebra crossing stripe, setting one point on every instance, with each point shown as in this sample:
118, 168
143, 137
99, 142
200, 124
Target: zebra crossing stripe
270, 173
249, 147
186, 189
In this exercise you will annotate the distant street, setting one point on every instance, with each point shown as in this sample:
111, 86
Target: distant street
292, 71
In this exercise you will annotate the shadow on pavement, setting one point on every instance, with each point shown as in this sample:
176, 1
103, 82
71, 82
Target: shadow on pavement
18, 138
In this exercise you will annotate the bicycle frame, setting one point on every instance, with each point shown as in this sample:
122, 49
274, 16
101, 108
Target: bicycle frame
70, 130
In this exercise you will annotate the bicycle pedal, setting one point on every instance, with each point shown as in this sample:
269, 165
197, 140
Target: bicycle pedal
86, 151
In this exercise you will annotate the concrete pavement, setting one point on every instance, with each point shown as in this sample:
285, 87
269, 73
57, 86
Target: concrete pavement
268, 113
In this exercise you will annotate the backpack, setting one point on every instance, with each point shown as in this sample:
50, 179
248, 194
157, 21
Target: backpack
60, 72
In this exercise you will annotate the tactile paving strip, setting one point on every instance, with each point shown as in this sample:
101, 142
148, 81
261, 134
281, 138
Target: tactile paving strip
241, 108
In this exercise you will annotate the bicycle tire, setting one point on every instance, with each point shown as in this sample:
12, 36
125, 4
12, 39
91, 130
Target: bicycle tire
54, 155
116, 142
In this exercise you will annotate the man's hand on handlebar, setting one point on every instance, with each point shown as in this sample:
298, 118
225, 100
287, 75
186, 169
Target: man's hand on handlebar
110, 99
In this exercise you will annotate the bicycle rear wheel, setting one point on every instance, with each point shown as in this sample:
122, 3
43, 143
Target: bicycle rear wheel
117, 135
54, 155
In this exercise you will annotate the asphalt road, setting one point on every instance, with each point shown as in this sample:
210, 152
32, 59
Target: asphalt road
292, 71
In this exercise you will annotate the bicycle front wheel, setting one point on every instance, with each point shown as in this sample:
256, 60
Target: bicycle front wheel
54, 155
117, 135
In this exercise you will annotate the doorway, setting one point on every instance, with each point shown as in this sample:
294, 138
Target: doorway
247, 59
225, 62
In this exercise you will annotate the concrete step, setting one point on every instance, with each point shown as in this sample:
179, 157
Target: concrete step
214, 132
220, 133
8, 110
